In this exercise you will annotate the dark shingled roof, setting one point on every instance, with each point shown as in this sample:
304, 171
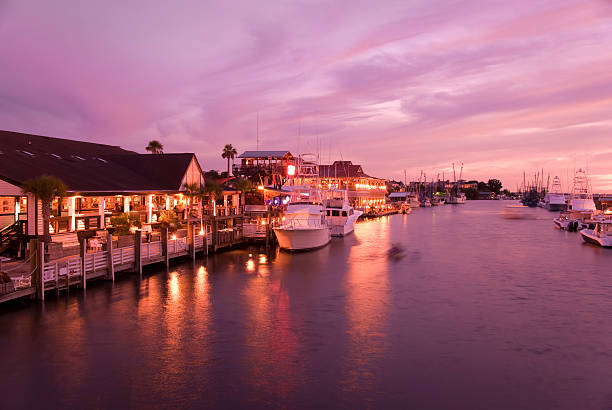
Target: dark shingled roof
88, 167
264, 154
343, 169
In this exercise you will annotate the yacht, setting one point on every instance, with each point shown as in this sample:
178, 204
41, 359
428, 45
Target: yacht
555, 199
600, 235
303, 225
340, 215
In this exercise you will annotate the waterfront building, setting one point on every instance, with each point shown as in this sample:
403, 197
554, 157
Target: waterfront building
102, 181
365, 192
273, 167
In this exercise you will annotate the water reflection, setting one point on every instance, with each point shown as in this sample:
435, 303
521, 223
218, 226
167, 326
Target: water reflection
367, 305
520, 307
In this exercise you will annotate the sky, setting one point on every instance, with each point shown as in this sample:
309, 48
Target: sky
502, 87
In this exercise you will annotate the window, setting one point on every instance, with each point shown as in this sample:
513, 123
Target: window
343, 213
335, 213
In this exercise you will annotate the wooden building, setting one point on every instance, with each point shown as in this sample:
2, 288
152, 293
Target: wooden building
102, 181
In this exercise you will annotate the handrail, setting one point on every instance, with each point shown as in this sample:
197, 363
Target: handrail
11, 231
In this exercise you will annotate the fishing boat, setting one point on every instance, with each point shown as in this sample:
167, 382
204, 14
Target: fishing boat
600, 235
340, 215
581, 199
581, 210
456, 198
554, 200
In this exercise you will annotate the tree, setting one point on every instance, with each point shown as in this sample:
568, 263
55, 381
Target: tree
45, 188
155, 147
229, 152
482, 186
495, 185
210, 191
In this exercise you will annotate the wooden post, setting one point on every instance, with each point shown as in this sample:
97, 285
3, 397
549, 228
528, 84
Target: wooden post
110, 265
83, 274
191, 239
214, 234
36, 268
164, 241
138, 252
101, 205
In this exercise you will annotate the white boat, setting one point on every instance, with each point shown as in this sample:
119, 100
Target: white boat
413, 201
459, 198
425, 203
581, 209
601, 235
436, 201
340, 215
303, 225
405, 208
555, 199
581, 199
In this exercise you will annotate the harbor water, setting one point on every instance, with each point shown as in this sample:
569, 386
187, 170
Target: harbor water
482, 312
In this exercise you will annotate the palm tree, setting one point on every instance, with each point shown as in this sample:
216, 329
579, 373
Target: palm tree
45, 188
229, 152
155, 147
210, 191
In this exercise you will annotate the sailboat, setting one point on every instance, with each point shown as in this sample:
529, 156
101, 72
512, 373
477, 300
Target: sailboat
456, 197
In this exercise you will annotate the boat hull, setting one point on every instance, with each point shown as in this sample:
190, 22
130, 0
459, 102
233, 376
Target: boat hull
302, 239
588, 235
346, 225
555, 207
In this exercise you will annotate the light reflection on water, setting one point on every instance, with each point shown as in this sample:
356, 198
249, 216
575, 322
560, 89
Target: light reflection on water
482, 312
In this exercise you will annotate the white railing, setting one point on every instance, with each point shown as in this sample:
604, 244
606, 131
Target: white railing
123, 255
95, 261
198, 241
50, 270
302, 223
177, 245
151, 250
73, 267
254, 230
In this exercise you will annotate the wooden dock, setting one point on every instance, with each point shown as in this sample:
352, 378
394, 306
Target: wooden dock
77, 270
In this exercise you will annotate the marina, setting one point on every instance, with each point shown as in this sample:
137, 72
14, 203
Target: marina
327, 331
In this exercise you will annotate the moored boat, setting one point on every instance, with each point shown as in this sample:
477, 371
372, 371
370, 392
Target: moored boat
600, 235
555, 199
340, 215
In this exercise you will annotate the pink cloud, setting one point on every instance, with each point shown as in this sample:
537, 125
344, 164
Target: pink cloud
416, 85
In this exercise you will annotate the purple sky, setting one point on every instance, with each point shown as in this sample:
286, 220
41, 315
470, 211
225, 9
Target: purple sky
500, 86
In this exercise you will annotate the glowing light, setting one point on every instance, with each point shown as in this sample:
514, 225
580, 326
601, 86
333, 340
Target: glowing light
201, 232
263, 258
260, 187
173, 285
250, 265
173, 237
291, 170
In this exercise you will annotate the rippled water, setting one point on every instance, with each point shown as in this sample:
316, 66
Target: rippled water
482, 313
